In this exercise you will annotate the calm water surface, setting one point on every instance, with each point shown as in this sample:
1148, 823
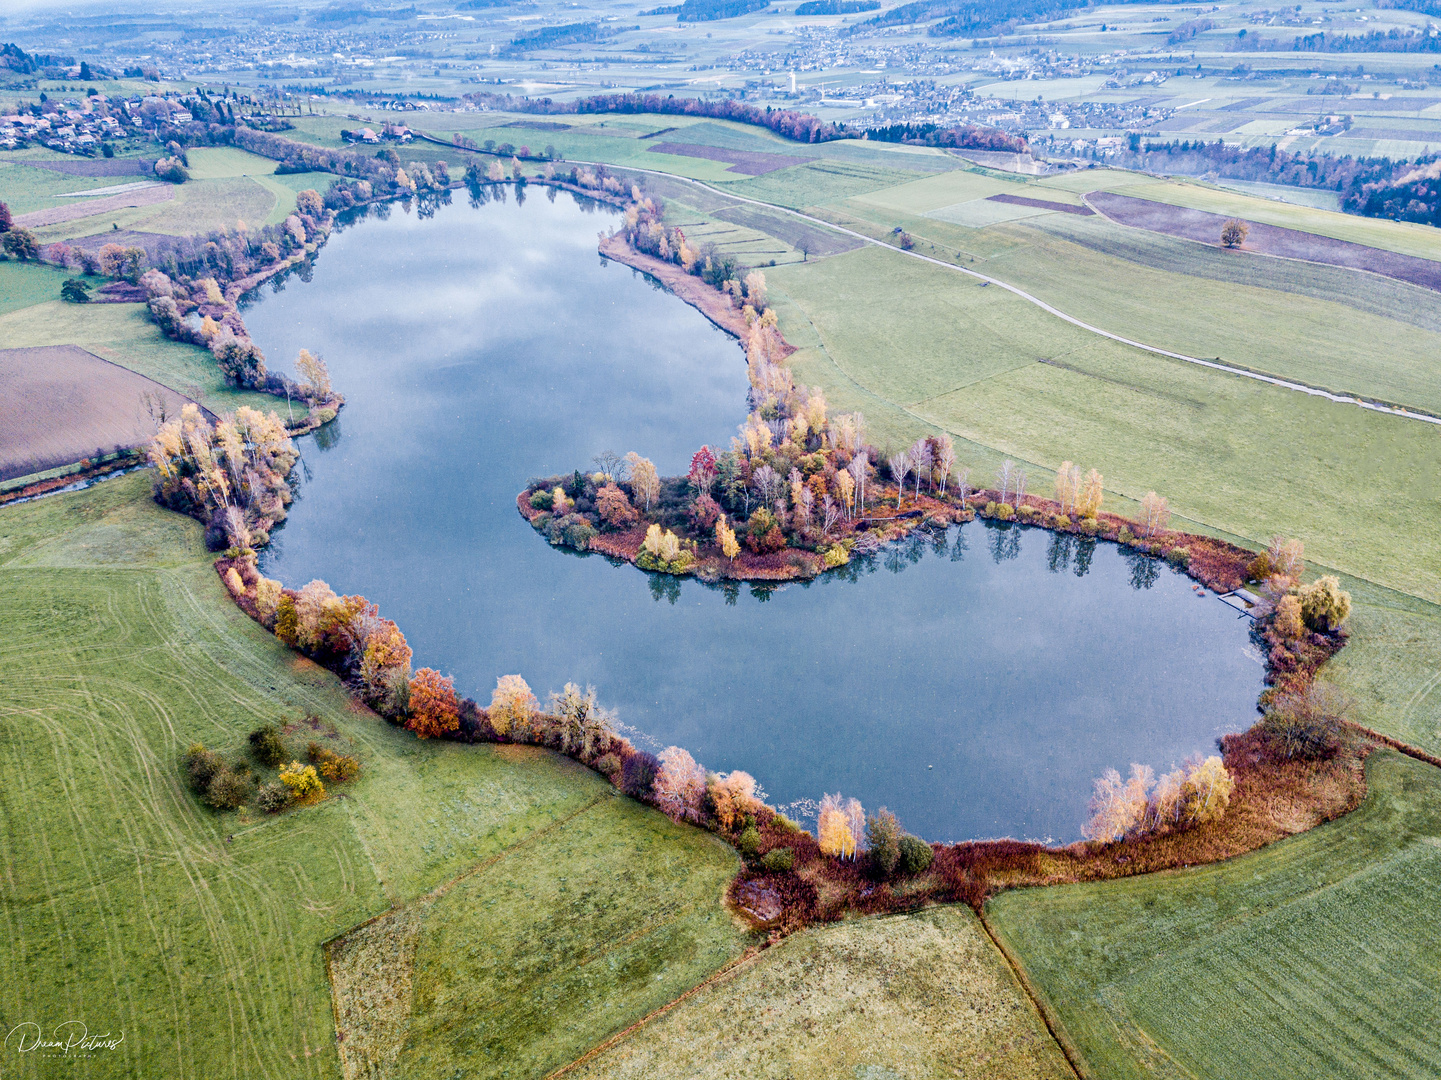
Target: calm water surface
974, 682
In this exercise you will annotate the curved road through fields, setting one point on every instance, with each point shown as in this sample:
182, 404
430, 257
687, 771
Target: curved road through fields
1314, 391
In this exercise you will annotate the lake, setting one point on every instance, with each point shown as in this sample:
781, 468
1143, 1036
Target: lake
975, 681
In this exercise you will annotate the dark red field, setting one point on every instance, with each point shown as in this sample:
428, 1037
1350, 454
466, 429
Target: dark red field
1266, 239
748, 162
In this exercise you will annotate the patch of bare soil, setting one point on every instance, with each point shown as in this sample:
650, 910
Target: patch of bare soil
60, 404
1043, 204
83, 208
1266, 239
748, 162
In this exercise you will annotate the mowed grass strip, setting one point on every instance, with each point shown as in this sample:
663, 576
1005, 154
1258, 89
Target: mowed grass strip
1313, 957
912, 996
130, 906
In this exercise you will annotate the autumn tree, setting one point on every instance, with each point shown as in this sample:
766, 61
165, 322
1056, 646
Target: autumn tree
644, 481
702, 472
1284, 560
1324, 604
726, 538
315, 376
900, 467
734, 797
1092, 494
858, 473
1233, 232
945, 458
434, 710
512, 707
834, 828
680, 785
308, 202
1207, 792
614, 507
1118, 807
1068, 486
384, 664
1155, 513
1288, 622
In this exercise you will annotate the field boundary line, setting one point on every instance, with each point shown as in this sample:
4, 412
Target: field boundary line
729, 969
444, 887
1053, 1026
1215, 365
1396, 744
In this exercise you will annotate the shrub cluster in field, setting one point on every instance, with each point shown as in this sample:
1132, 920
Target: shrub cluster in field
246, 778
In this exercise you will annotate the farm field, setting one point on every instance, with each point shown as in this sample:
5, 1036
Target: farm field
124, 334
59, 404
227, 186
1312, 957
906, 996
131, 906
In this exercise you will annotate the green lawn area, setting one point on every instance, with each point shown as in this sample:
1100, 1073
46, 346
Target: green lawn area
25, 284
1313, 957
123, 334
916, 996
132, 907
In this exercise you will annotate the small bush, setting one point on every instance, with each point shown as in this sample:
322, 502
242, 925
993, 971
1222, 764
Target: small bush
1126, 536
339, 768
1089, 526
200, 765
608, 765
1179, 557
303, 781
638, 774
227, 790
781, 823
272, 797
749, 843
916, 855
542, 500
1062, 522
267, 746
836, 555
779, 860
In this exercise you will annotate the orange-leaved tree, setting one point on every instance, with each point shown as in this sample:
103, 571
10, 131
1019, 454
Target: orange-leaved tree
434, 710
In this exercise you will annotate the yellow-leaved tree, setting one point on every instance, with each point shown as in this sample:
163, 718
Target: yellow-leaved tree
833, 829
726, 538
303, 781
512, 707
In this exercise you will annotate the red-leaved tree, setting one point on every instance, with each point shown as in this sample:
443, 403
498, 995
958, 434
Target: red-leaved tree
434, 711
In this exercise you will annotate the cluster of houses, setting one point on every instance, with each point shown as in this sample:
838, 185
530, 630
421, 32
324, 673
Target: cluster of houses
80, 126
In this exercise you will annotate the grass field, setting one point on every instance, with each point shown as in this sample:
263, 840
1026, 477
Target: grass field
131, 907
1313, 957
917, 348
123, 334
907, 996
